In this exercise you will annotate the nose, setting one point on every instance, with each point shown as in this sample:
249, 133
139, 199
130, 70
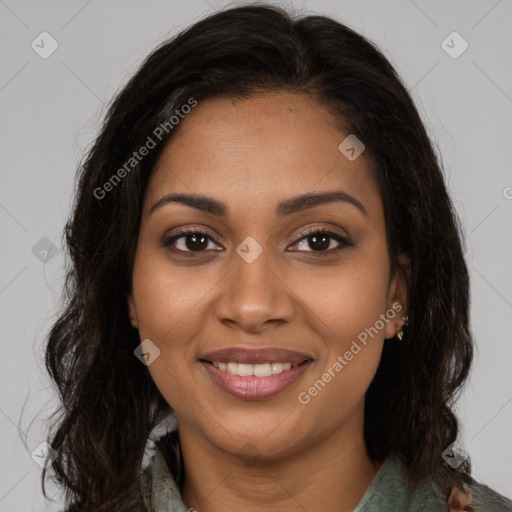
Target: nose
254, 296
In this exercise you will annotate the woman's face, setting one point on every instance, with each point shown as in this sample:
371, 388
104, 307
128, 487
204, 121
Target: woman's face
259, 278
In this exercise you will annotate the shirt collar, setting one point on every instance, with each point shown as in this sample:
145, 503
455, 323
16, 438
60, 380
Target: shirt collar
389, 487
159, 490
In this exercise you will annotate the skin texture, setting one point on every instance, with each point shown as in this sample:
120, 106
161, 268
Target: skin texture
274, 453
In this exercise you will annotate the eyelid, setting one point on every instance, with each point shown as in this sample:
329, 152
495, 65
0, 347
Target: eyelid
183, 231
333, 233
330, 232
320, 229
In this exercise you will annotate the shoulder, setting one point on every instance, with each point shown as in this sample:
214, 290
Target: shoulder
74, 508
391, 491
486, 499
476, 497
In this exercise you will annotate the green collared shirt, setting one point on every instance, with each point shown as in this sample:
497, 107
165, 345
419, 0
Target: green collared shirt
388, 492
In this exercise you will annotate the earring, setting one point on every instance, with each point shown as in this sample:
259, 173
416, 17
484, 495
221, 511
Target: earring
400, 333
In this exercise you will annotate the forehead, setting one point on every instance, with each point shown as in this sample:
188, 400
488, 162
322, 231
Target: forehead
260, 150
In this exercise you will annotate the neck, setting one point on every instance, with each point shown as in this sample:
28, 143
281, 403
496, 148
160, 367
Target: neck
332, 474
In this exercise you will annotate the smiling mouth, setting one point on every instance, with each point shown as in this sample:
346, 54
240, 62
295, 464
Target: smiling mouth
255, 381
255, 370
255, 373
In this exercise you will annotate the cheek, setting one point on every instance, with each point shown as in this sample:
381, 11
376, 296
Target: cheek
165, 304
351, 357
168, 300
347, 307
346, 300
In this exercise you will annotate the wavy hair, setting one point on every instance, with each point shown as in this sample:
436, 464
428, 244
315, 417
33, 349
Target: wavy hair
110, 404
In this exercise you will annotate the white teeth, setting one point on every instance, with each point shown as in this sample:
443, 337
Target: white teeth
245, 370
262, 370
258, 370
277, 368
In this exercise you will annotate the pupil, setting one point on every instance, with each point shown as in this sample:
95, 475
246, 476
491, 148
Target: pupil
199, 242
195, 246
324, 244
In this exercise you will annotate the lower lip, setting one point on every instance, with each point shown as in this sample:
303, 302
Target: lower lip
254, 388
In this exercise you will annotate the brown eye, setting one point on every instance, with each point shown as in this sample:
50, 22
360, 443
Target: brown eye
193, 241
197, 241
320, 241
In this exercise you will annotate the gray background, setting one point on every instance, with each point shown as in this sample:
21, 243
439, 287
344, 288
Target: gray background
50, 110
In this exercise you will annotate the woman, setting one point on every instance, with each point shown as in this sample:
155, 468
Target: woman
263, 248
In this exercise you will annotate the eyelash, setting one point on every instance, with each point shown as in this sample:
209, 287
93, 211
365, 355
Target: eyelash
168, 241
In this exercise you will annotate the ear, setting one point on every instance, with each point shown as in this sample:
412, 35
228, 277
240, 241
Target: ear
397, 296
132, 312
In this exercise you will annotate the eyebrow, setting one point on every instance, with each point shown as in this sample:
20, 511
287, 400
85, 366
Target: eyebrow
287, 207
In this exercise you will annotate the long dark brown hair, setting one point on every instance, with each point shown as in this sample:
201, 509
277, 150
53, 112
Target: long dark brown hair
110, 404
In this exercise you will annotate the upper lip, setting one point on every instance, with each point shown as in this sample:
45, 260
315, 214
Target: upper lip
255, 356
